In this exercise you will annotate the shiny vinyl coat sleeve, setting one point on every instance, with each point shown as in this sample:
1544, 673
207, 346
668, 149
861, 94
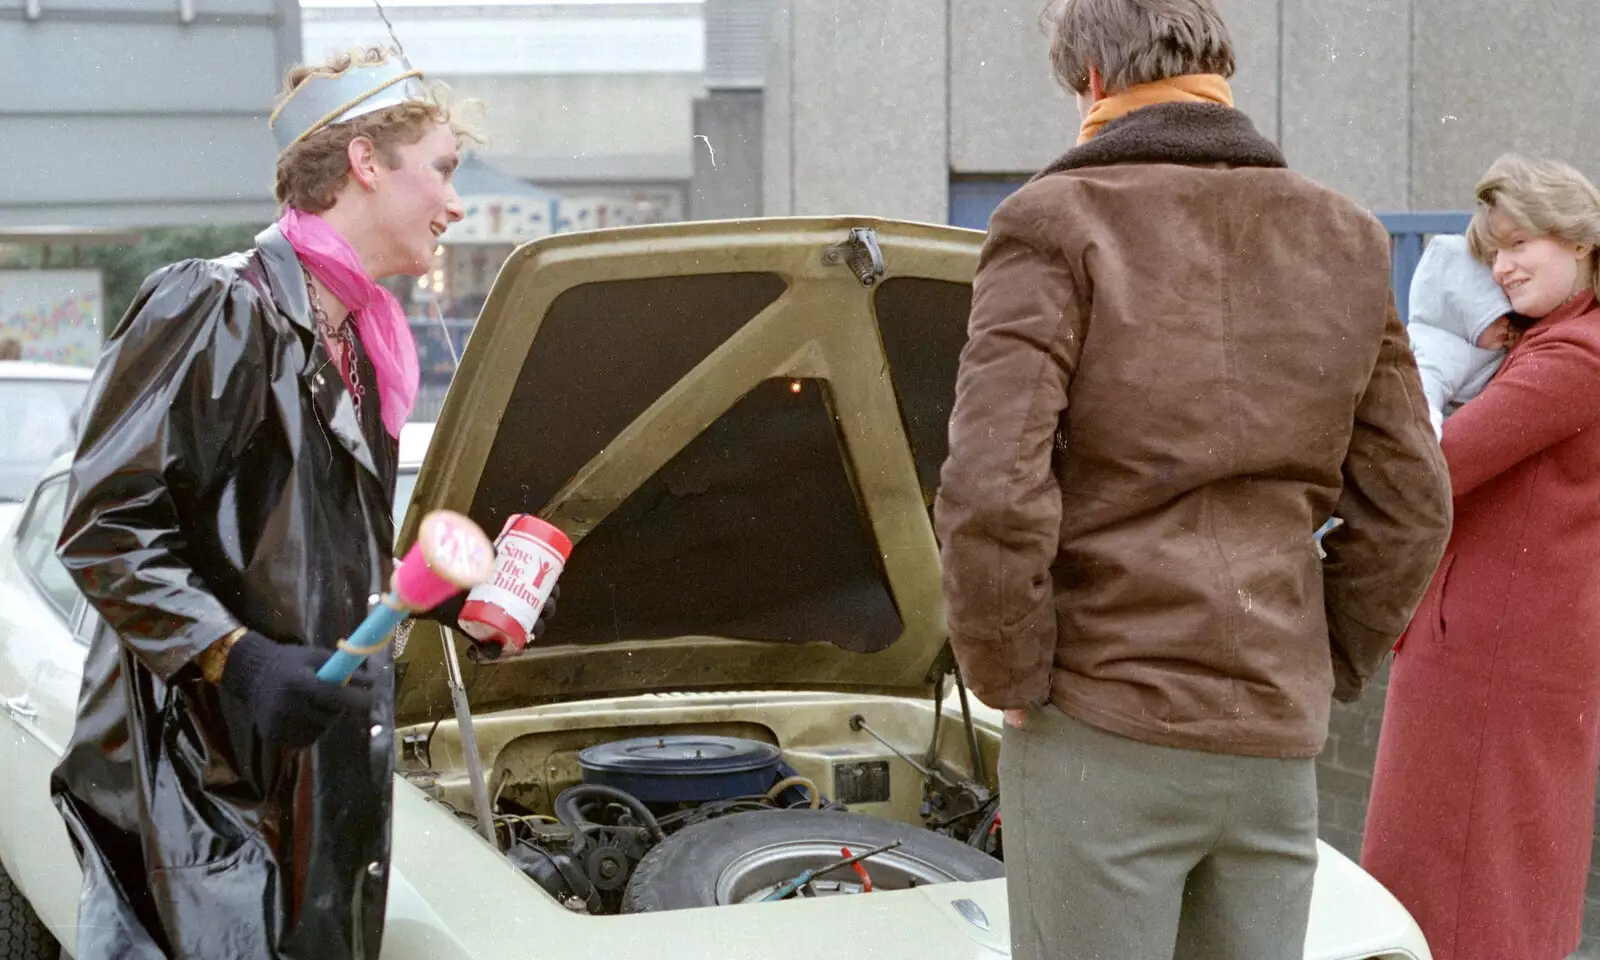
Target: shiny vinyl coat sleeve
182, 379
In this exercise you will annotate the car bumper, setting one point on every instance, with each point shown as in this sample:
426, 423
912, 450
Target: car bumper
454, 897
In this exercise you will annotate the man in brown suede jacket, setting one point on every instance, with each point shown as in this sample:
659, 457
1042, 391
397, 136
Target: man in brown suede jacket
1182, 360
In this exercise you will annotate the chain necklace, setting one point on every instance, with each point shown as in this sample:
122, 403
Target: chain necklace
344, 336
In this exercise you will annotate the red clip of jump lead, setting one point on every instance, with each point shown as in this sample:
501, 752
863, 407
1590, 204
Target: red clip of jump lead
996, 828
861, 871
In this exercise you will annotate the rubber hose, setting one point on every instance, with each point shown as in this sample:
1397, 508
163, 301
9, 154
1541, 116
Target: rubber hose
566, 806
782, 785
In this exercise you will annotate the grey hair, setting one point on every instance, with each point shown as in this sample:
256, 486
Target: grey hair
1132, 42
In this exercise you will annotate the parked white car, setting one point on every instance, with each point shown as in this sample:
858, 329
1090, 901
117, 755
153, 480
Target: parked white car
39, 404
739, 426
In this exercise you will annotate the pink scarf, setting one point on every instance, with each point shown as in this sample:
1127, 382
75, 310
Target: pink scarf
379, 318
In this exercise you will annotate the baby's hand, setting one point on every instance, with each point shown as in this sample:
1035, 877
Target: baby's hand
1498, 336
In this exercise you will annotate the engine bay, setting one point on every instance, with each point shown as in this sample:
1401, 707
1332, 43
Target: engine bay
686, 801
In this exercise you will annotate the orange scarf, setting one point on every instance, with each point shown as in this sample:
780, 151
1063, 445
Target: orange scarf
1192, 88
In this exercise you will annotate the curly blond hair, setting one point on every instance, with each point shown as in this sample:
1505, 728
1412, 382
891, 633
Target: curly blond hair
1547, 198
311, 172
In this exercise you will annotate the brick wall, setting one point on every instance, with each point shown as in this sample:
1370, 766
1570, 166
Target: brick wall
1344, 771
1344, 779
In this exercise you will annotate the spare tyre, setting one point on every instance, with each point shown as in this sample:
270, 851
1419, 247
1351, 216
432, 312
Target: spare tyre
744, 857
22, 934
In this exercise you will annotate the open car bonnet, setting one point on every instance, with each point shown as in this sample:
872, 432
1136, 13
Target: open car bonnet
740, 425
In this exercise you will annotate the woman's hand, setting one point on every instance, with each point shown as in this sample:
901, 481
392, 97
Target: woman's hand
448, 614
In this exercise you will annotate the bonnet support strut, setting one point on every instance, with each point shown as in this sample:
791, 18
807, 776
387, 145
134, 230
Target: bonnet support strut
469, 739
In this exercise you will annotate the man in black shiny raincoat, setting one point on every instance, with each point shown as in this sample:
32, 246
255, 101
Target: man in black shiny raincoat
229, 496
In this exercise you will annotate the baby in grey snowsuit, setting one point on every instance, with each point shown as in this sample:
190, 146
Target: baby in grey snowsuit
1460, 325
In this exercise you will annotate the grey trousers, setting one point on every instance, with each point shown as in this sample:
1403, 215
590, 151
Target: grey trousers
1119, 850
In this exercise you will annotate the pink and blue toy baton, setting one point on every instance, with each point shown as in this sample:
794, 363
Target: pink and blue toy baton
451, 555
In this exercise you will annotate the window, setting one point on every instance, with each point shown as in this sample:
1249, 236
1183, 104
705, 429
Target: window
973, 199
36, 546
405, 481
38, 421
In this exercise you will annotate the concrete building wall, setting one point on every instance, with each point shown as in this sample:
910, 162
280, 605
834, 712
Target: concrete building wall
777, 114
576, 93
104, 122
1257, 31
1000, 62
729, 121
1008, 115
1400, 105
857, 113
727, 156
1342, 82
556, 128
1499, 77
736, 43
499, 37
1404, 105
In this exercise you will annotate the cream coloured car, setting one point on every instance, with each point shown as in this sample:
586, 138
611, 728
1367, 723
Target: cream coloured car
38, 411
740, 427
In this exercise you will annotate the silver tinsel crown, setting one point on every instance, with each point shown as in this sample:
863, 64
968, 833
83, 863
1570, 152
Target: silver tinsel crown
323, 101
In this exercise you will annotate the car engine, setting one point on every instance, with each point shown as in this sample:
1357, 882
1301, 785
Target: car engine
672, 821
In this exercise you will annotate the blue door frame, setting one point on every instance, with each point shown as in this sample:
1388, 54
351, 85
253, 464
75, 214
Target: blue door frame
972, 200
1408, 234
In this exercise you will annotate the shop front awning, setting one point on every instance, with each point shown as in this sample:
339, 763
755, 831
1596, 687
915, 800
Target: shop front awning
499, 208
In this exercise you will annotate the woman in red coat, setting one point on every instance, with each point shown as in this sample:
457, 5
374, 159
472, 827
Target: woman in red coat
1482, 811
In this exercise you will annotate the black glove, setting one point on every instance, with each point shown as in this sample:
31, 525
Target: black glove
278, 683
449, 614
